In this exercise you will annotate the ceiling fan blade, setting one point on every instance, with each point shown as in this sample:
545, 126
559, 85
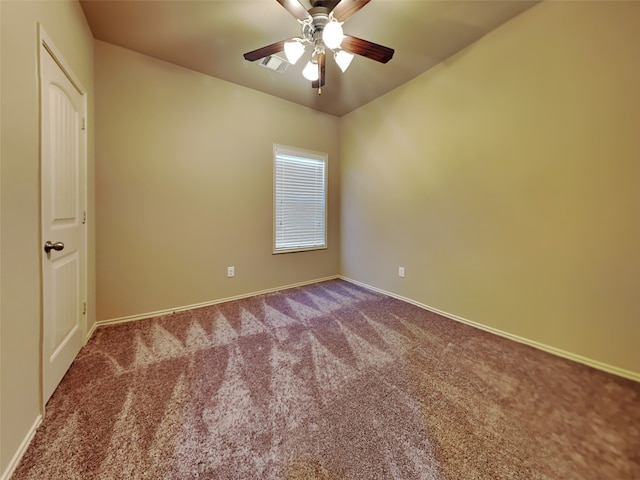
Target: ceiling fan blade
295, 8
346, 8
321, 63
368, 49
254, 55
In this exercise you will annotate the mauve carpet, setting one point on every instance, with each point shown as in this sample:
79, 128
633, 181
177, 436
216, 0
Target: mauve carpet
329, 381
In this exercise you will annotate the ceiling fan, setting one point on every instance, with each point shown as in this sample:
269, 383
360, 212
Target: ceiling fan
322, 30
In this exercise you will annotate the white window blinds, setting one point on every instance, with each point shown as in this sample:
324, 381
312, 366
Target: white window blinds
300, 199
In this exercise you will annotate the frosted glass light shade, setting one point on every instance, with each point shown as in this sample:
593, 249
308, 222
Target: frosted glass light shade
310, 71
293, 49
332, 34
343, 59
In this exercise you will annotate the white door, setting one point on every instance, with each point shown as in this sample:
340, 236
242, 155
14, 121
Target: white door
63, 163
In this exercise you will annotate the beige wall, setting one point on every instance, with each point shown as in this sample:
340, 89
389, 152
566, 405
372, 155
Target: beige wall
506, 182
184, 186
20, 202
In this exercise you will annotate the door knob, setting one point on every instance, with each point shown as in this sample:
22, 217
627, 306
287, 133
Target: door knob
48, 246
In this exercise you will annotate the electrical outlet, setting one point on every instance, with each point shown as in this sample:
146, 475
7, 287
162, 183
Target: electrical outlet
231, 271
401, 272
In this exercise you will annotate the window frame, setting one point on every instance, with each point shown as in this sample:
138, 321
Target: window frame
304, 154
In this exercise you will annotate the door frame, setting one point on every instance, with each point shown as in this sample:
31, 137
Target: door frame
46, 43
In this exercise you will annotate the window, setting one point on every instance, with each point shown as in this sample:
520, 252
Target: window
300, 199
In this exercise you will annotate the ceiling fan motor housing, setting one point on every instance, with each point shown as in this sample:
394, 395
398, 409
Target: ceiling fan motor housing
312, 29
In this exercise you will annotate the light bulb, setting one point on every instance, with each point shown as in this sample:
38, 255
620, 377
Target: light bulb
293, 49
332, 34
310, 71
343, 59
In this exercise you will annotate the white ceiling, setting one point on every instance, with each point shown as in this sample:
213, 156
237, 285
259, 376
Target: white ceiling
211, 36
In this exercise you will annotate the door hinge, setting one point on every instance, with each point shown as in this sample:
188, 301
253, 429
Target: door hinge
84, 308
84, 217
84, 123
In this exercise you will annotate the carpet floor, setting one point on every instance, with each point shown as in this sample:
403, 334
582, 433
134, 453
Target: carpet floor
329, 381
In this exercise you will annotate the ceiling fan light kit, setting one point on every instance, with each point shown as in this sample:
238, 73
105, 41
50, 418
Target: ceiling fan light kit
332, 34
343, 59
294, 49
322, 29
310, 71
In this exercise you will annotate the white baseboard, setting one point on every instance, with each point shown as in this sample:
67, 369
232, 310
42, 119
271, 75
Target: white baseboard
6, 475
540, 346
169, 311
532, 343
90, 333
13, 464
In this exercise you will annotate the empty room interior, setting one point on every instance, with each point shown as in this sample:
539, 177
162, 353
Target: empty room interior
474, 308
